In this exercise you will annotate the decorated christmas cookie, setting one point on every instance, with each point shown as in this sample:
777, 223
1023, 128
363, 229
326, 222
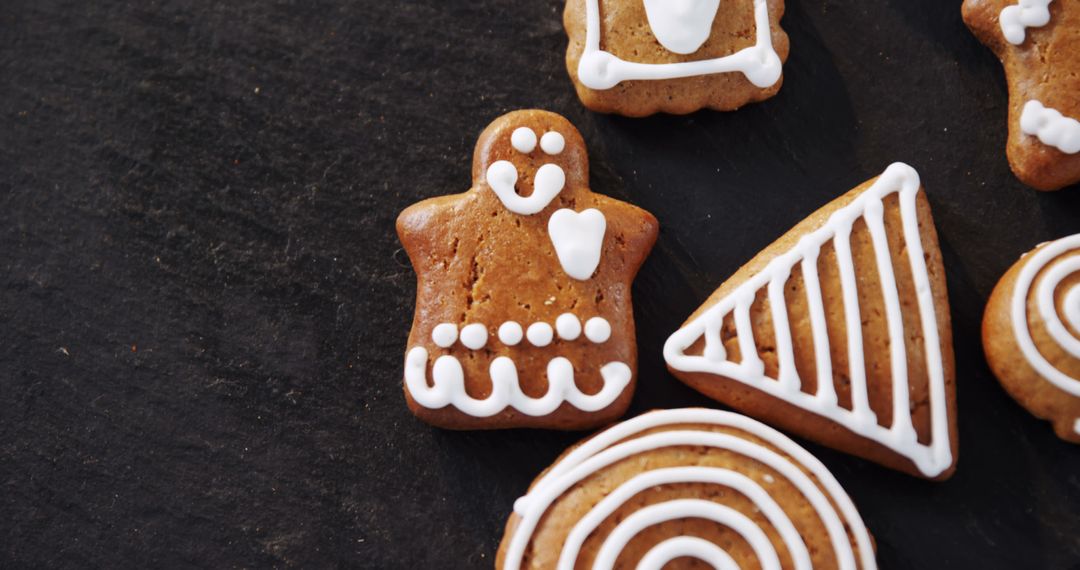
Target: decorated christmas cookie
839, 332
1031, 334
636, 57
712, 486
523, 314
1038, 42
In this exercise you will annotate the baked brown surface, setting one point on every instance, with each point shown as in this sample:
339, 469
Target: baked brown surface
548, 539
1046, 68
625, 32
1020, 380
478, 262
804, 423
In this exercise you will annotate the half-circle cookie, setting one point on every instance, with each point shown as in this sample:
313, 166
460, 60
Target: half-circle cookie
686, 484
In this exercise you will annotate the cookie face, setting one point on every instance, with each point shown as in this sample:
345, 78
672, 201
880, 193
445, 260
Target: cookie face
637, 58
1031, 334
839, 332
523, 308
699, 484
1038, 42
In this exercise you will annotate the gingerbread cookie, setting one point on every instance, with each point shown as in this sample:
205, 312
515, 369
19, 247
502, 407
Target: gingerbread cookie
686, 484
637, 58
1038, 42
523, 314
1031, 334
839, 332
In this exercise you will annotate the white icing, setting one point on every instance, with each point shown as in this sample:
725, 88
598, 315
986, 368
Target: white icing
688, 508
549, 181
599, 69
900, 179
1076, 426
673, 475
681, 26
552, 143
793, 463
687, 546
444, 335
448, 386
510, 333
474, 336
568, 326
1065, 253
540, 334
523, 139
578, 239
1051, 127
1027, 14
598, 330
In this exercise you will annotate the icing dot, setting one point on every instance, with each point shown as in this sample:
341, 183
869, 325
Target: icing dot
552, 142
444, 335
474, 336
568, 326
523, 140
598, 330
510, 333
540, 334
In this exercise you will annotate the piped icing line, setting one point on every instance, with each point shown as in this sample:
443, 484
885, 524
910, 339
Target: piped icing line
829, 501
1069, 249
687, 546
901, 179
600, 70
448, 386
1076, 426
502, 175
1015, 20
1051, 127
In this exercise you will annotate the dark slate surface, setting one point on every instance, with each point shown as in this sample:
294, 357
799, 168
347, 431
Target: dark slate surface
204, 305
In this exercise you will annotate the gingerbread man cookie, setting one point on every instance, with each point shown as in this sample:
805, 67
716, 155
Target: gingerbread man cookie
1038, 42
1031, 334
523, 308
637, 58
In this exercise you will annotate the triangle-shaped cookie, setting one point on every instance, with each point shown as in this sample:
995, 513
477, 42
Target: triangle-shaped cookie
839, 332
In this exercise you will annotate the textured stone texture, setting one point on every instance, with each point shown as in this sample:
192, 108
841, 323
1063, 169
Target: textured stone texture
204, 306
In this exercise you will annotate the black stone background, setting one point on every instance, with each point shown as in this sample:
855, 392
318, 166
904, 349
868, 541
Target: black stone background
204, 305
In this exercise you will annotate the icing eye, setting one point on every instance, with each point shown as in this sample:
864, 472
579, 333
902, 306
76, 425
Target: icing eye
524, 140
552, 143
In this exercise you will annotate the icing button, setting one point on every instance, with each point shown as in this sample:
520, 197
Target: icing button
510, 333
474, 336
444, 335
598, 330
568, 326
540, 334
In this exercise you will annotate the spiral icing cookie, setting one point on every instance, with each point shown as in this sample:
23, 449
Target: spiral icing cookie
1038, 43
1031, 334
696, 486
523, 309
636, 58
839, 332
